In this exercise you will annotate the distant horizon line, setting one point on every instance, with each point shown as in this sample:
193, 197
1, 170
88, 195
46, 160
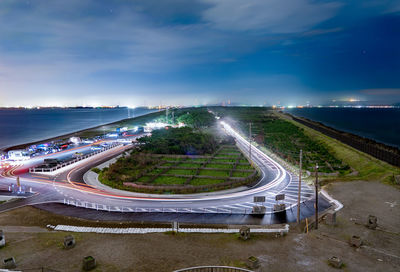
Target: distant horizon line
394, 105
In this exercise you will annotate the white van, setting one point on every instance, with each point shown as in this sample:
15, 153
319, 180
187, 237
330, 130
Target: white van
18, 155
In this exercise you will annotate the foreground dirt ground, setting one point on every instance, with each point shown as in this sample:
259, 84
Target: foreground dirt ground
34, 247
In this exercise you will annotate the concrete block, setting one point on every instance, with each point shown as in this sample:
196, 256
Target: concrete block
372, 222
253, 262
9, 263
259, 210
355, 241
330, 218
89, 263
244, 232
2, 239
335, 262
279, 207
69, 241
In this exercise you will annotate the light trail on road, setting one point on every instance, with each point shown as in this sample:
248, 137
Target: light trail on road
62, 189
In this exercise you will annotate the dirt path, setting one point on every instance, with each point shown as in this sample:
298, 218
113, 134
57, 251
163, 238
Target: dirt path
166, 252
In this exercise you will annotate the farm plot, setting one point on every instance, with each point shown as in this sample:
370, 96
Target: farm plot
226, 168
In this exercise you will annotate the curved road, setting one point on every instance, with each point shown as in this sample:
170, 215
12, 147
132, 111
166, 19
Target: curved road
66, 187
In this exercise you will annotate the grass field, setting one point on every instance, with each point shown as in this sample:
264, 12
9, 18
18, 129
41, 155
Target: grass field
181, 172
216, 160
168, 180
144, 179
198, 181
240, 174
224, 166
214, 173
225, 155
244, 166
192, 165
366, 166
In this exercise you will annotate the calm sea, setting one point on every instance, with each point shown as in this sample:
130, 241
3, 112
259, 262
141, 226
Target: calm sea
382, 125
18, 126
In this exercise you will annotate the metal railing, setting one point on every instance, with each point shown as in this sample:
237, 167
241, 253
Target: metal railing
77, 159
208, 210
213, 269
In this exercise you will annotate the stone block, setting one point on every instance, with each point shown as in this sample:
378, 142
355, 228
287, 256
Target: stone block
69, 241
372, 222
335, 262
244, 232
89, 263
9, 263
355, 241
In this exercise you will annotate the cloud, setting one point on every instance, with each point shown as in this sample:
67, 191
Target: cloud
272, 16
316, 32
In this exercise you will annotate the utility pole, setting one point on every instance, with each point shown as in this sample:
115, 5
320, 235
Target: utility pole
316, 196
299, 191
166, 115
250, 141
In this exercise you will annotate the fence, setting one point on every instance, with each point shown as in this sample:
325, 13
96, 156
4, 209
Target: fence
199, 210
362, 144
213, 269
58, 166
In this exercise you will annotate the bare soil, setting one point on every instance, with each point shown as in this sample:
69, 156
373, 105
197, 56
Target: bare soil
166, 252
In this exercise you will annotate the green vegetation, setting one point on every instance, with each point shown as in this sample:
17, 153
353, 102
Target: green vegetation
240, 174
205, 181
96, 170
169, 180
198, 118
189, 165
216, 160
285, 139
144, 172
181, 172
183, 141
214, 173
244, 166
128, 168
214, 165
366, 167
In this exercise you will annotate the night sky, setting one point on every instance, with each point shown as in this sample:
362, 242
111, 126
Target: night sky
150, 52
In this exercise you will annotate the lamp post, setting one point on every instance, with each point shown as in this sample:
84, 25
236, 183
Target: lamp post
250, 141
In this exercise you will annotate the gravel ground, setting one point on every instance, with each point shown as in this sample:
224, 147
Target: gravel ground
165, 252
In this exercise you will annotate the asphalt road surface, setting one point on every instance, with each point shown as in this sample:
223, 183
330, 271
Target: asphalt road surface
65, 193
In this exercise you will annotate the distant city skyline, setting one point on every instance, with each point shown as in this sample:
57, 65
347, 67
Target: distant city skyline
148, 53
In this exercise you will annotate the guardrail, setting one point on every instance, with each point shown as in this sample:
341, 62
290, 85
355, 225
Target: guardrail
213, 269
41, 170
209, 210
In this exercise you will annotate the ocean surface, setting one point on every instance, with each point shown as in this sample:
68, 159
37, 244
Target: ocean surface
381, 125
19, 126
